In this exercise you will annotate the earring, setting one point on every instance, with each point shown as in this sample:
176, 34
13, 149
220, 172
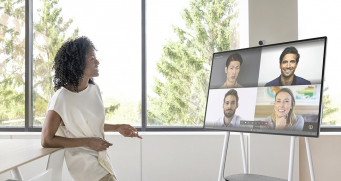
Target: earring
286, 116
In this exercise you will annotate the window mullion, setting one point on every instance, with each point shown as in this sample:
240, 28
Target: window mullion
144, 64
28, 64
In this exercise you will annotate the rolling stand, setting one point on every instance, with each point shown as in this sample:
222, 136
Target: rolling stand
254, 177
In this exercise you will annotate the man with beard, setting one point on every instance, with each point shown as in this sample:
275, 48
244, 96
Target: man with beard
288, 63
230, 106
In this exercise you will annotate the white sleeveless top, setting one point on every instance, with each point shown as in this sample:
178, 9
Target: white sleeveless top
83, 114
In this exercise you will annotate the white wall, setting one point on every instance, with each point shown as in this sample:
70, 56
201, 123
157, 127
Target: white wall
196, 156
188, 156
158, 156
272, 20
326, 156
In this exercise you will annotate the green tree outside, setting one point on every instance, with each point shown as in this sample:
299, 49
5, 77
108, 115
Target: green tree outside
12, 60
123, 110
49, 34
185, 64
329, 110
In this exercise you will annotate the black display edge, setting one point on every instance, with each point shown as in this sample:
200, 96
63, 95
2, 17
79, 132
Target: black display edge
321, 93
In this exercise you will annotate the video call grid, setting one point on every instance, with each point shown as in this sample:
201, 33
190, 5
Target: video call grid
301, 81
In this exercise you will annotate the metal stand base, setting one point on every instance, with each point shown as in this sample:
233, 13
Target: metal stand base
254, 177
251, 177
223, 156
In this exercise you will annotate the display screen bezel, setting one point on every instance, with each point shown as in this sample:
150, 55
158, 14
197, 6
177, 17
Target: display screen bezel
273, 133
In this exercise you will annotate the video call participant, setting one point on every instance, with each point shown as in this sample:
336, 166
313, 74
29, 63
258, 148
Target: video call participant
230, 105
288, 62
232, 69
283, 116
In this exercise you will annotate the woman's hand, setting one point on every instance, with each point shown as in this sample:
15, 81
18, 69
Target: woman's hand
98, 144
128, 131
281, 122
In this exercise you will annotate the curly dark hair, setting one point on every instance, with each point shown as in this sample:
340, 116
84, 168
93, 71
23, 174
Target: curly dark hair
70, 63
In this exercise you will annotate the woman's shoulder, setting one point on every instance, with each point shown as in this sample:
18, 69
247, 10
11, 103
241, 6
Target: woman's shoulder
269, 118
299, 123
55, 100
97, 88
300, 119
60, 96
57, 94
63, 95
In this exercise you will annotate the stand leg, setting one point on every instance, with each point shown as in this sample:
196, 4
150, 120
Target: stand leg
16, 174
243, 152
311, 168
291, 160
223, 157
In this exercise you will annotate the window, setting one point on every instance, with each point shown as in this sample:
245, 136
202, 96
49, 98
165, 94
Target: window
181, 38
325, 23
12, 64
115, 29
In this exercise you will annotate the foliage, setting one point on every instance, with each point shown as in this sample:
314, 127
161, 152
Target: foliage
12, 58
328, 109
112, 108
49, 34
48, 37
124, 111
185, 64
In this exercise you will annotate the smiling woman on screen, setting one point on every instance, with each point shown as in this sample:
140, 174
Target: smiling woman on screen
283, 116
75, 114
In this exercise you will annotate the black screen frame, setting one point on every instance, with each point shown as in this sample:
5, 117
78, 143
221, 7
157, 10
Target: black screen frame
321, 92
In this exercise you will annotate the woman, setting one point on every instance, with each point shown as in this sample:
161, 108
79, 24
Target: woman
75, 114
283, 116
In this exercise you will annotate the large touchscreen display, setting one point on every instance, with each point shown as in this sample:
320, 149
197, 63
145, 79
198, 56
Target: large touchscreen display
274, 89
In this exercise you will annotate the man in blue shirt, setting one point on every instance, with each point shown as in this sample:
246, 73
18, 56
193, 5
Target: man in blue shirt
288, 62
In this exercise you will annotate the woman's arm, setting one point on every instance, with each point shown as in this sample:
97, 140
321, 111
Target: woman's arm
124, 129
110, 127
50, 140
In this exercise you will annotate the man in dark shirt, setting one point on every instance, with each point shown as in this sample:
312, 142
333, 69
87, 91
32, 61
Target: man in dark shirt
288, 62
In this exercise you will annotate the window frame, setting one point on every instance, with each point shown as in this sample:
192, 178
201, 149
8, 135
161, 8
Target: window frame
144, 127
